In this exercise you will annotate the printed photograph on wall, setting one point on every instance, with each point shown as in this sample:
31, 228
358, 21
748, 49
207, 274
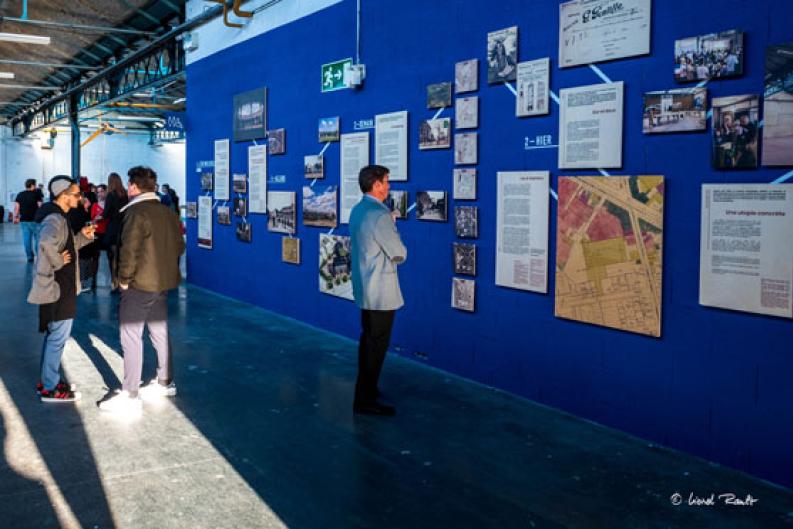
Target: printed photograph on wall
431, 205
281, 211
240, 207
680, 110
778, 106
191, 211
435, 134
464, 183
243, 232
335, 266
250, 115
463, 292
290, 250
464, 256
207, 180
466, 222
239, 182
398, 201
502, 55
439, 95
711, 56
532, 87
465, 148
466, 76
224, 217
319, 206
329, 129
314, 166
735, 131
276, 141
466, 112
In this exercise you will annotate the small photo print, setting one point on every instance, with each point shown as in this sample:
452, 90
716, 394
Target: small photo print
502, 55
466, 76
463, 292
464, 183
240, 207
464, 259
735, 131
435, 134
439, 95
398, 201
329, 129
319, 206
465, 148
191, 210
281, 211
243, 232
207, 180
223, 215
681, 110
431, 205
712, 56
276, 141
314, 166
466, 222
466, 112
290, 250
239, 182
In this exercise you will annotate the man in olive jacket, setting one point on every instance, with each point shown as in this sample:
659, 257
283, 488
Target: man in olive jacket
148, 267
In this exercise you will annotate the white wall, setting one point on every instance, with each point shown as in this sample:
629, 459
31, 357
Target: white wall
23, 159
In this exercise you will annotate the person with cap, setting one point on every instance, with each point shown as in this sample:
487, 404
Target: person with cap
56, 284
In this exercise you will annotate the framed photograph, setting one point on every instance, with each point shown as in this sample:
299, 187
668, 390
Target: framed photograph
243, 232
239, 182
431, 205
281, 211
250, 115
435, 134
465, 148
240, 206
276, 141
735, 131
681, 110
463, 292
466, 221
466, 76
464, 183
319, 206
439, 95
224, 217
398, 201
466, 112
335, 265
712, 56
502, 55
207, 180
464, 258
778, 93
314, 166
329, 129
290, 250
191, 210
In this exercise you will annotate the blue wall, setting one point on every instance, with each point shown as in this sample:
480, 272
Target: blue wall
716, 384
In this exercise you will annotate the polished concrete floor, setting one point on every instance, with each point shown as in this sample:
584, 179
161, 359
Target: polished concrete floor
262, 435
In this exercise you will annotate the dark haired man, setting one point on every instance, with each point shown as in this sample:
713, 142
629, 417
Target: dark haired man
376, 252
148, 267
26, 204
57, 283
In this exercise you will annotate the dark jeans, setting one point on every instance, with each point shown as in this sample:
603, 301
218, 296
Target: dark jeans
136, 310
376, 328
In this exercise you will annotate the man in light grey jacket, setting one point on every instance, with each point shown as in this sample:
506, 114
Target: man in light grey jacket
376, 252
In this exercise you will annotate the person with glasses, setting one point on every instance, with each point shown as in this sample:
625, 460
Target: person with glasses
56, 284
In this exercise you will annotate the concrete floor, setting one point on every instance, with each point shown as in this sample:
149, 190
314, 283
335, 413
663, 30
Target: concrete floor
262, 435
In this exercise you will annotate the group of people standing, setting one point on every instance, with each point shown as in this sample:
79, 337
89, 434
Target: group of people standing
144, 241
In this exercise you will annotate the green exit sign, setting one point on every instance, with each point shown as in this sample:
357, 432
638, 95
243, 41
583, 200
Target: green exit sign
333, 75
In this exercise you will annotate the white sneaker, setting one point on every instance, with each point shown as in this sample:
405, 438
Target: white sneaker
155, 391
121, 403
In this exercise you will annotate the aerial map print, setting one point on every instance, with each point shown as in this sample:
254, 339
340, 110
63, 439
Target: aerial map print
609, 251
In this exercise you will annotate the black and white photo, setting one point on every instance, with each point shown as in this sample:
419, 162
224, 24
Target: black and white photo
431, 205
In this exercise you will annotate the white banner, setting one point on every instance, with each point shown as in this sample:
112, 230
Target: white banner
205, 222
257, 174
391, 144
354, 157
222, 169
590, 126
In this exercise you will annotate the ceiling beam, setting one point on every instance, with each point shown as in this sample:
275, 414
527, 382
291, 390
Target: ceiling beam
142, 13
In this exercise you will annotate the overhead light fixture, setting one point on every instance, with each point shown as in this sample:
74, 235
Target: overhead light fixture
25, 39
6, 75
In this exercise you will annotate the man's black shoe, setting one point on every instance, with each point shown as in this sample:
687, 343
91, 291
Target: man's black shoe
374, 408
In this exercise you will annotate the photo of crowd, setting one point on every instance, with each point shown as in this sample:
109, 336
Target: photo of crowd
712, 56
735, 130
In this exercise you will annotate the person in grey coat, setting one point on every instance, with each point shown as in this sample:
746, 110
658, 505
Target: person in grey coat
376, 251
56, 284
